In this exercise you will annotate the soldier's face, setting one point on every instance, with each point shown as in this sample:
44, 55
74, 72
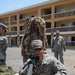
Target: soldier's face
57, 34
35, 27
38, 51
2, 31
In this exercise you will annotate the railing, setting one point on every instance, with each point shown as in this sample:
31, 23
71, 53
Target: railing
11, 33
6, 23
64, 14
70, 43
65, 28
48, 16
22, 31
48, 30
13, 22
22, 20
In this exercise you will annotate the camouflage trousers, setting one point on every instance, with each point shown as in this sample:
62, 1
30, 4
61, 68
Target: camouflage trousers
2, 62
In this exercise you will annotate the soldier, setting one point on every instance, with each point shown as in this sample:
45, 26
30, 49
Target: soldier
25, 41
3, 44
25, 45
34, 30
4, 70
58, 45
49, 65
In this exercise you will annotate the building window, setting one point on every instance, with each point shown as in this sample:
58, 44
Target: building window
21, 16
73, 23
62, 25
48, 25
72, 38
63, 10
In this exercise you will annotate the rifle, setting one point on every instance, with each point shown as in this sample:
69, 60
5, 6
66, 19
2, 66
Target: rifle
29, 66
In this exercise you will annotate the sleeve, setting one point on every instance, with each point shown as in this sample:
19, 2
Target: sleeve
58, 67
53, 43
52, 47
22, 46
63, 43
5, 44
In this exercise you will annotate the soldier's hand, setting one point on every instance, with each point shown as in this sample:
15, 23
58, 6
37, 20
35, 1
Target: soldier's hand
52, 49
64, 49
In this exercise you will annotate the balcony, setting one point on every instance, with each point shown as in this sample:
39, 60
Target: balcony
48, 30
22, 32
11, 33
70, 43
48, 16
6, 23
22, 20
64, 14
13, 22
64, 29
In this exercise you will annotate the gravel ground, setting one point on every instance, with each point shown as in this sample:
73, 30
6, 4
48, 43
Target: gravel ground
14, 59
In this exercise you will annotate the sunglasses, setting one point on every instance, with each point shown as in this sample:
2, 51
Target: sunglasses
37, 49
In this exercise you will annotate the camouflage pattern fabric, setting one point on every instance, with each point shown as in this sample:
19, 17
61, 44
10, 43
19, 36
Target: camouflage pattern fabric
3, 47
58, 45
41, 31
35, 30
51, 66
5, 70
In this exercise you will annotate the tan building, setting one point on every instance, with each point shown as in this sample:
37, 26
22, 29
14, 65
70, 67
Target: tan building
58, 14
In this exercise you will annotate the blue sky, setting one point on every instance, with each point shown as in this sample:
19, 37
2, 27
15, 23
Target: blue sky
9, 5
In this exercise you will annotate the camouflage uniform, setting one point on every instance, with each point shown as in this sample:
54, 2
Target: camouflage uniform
3, 46
48, 65
4, 70
58, 46
51, 66
25, 45
35, 30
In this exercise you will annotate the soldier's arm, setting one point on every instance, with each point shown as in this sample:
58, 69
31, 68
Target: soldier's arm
58, 67
64, 44
22, 46
5, 44
52, 46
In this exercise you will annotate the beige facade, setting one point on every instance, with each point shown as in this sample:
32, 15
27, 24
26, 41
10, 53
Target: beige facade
58, 14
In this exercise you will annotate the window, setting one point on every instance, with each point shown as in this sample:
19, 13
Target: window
73, 23
21, 16
62, 25
72, 38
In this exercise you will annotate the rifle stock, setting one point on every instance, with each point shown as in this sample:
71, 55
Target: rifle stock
26, 68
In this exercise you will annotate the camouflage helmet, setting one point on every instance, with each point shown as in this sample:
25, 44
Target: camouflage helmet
3, 26
37, 42
57, 31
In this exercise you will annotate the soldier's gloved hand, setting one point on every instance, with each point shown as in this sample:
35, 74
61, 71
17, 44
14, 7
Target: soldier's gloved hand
64, 49
52, 49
